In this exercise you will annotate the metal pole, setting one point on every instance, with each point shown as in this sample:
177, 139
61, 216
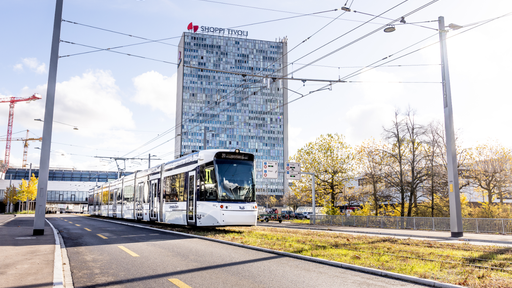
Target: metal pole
451, 152
29, 178
204, 138
149, 160
44, 164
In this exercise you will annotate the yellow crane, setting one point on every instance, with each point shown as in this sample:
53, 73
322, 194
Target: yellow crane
25, 146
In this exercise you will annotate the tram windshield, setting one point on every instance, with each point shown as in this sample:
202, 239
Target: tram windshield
235, 180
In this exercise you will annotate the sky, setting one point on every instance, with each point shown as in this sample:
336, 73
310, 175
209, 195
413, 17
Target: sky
119, 103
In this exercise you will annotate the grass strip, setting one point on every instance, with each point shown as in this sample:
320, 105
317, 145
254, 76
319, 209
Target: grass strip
455, 263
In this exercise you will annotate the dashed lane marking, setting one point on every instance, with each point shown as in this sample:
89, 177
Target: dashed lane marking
77, 225
128, 251
102, 236
179, 283
87, 229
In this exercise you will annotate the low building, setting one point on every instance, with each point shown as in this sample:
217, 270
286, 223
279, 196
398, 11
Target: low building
67, 188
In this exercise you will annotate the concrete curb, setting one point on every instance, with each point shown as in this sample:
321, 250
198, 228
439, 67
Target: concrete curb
58, 277
412, 279
68, 279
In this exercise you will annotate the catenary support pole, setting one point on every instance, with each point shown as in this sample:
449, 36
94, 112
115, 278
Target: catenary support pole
451, 152
44, 164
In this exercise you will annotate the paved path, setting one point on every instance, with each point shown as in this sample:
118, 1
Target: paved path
26, 260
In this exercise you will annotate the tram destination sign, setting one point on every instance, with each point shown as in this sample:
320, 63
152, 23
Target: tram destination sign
270, 169
293, 171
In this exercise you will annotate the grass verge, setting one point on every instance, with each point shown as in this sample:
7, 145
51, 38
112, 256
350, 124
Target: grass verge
461, 264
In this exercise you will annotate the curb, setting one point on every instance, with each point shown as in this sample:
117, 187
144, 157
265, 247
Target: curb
61, 269
412, 279
58, 277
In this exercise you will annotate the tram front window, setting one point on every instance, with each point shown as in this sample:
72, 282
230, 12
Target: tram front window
235, 180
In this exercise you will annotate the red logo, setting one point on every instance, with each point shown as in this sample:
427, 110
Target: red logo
191, 27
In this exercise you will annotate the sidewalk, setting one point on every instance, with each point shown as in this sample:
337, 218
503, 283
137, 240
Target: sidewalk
443, 236
25, 260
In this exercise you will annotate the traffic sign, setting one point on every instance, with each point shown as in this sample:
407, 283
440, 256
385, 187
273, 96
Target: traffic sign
270, 169
293, 171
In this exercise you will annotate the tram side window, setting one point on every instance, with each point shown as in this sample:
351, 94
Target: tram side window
104, 198
111, 198
208, 183
128, 193
174, 188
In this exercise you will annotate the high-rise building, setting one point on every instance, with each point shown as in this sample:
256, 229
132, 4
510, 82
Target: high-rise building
230, 96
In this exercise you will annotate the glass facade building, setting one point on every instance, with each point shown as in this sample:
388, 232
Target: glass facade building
231, 95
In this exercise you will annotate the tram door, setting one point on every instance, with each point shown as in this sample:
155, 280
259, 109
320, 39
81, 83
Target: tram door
138, 201
191, 199
114, 202
153, 200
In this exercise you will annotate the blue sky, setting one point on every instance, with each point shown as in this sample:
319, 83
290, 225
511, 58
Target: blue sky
120, 102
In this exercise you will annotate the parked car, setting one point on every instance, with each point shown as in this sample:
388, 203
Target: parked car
287, 214
299, 215
307, 214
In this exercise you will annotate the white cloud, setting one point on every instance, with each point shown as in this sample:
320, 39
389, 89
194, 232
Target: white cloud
366, 121
18, 67
157, 91
31, 63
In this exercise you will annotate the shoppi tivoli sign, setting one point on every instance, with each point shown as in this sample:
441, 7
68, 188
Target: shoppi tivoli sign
222, 31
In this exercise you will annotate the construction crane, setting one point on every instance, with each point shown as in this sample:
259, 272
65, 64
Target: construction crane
25, 146
12, 101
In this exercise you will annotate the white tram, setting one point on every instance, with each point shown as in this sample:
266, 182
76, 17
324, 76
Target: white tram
206, 188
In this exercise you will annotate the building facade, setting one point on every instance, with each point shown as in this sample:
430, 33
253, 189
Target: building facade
68, 189
230, 95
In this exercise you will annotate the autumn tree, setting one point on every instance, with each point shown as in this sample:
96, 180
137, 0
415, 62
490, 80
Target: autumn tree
332, 161
11, 196
371, 162
27, 190
489, 169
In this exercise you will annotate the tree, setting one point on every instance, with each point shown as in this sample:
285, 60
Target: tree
11, 196
436, 183
333, 162
371, 163
27, 190
394, 176
489, 170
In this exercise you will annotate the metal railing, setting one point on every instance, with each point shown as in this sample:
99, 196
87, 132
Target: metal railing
475, 225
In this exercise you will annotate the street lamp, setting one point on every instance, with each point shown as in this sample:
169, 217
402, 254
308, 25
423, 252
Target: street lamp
204, 136
451, 151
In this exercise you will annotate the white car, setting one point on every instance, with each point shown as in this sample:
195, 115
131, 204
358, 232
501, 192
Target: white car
307, 215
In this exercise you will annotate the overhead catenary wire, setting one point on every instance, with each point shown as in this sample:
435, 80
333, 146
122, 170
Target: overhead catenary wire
179, 124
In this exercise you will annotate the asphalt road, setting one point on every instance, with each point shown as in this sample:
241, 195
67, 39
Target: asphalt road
104, 254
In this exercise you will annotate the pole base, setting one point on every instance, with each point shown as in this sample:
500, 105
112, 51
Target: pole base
38, 232
457, 234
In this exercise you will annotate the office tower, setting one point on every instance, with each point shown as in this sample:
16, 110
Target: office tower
230, 96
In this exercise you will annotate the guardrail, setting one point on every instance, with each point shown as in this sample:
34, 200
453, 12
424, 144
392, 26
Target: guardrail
475, 225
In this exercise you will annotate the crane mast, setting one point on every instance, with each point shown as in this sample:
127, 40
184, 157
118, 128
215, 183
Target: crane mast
12, 101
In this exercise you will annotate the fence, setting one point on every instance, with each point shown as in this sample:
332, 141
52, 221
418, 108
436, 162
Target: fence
475, 225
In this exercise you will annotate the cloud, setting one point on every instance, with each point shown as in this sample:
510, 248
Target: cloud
32, 64
18, 67
90, 101
157, 91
